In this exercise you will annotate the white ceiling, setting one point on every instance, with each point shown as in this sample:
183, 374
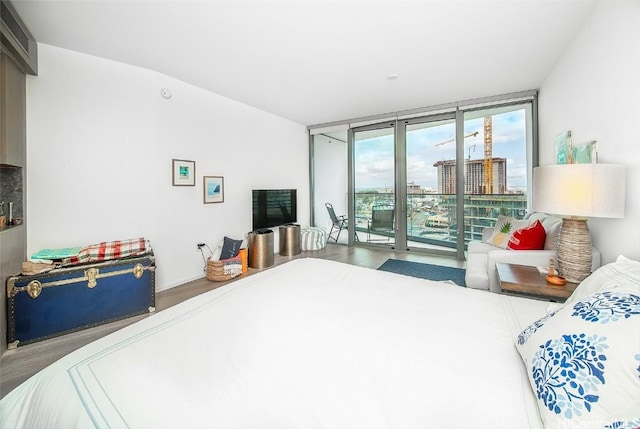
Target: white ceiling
321, 61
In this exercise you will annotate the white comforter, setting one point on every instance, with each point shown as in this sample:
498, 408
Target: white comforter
308, 344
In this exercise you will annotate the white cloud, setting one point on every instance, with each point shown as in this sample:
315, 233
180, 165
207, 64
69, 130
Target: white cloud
375, 163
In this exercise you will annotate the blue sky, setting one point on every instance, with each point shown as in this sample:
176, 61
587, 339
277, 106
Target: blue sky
374, 156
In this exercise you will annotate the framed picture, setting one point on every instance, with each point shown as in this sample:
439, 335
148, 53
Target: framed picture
213, 189
184, 173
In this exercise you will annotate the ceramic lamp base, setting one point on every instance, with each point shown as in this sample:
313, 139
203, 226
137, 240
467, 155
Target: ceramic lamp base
574, 250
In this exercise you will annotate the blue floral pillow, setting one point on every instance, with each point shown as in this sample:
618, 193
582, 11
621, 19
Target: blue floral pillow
622, 272
583, 361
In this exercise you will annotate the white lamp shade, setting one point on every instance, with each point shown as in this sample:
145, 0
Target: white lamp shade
582, 190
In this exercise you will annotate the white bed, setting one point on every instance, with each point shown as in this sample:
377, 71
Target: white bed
308, 344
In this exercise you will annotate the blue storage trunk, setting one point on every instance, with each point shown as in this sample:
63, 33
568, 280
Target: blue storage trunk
69, 299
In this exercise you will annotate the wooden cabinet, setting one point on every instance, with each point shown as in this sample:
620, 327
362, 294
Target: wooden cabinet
12, 113
19, 56
13, 239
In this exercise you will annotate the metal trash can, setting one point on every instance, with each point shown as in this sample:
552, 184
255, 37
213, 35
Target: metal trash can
260, 249
289, 239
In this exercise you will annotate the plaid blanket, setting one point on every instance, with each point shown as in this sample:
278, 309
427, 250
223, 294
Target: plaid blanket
108, 250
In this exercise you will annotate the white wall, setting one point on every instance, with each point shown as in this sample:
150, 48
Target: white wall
100, 140
594, 91
330, 171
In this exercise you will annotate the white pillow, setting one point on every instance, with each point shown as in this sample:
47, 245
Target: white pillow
504, 229
622, 272
583, 361
215, 254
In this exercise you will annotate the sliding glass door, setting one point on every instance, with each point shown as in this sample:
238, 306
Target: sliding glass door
374, 184
430, 187
406, 192
429, 182
499, 170
404, 196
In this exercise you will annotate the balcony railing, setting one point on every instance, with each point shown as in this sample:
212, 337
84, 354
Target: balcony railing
431, 218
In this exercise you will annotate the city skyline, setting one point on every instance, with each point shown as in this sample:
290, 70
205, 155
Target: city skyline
425, 146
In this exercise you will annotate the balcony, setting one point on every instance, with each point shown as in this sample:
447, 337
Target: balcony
431, 218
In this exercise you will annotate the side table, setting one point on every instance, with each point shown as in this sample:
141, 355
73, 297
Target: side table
525, 280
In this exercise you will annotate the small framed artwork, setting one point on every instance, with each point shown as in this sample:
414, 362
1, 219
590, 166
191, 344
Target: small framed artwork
184, 172
213, 189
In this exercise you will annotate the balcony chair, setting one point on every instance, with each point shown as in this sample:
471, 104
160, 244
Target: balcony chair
338, 223
381, 222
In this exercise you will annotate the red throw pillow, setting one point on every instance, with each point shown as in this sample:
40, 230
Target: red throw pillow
529, 238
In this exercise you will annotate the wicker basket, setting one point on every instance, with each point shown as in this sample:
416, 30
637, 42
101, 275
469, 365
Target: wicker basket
216, 269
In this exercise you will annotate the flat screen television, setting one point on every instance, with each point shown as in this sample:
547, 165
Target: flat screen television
274, 207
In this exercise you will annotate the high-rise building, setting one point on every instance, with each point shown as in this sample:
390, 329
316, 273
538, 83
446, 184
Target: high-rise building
474, 176
414, 188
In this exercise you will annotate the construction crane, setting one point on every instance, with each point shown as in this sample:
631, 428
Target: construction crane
488, 156
487, 178
469, 151
451, 139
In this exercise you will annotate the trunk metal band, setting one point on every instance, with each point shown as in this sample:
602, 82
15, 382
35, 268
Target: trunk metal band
91, 276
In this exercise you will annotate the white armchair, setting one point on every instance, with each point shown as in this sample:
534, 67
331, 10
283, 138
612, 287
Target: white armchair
482, 257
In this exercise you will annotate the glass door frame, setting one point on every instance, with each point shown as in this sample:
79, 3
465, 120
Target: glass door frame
402, 146
458, 109
351, 208
400, 178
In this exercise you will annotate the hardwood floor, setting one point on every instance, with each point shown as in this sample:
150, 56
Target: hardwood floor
21, 363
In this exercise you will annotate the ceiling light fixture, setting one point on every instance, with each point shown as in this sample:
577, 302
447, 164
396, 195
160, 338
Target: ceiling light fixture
392, 76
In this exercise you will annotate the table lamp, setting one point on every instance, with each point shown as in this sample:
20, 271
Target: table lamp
577, 192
